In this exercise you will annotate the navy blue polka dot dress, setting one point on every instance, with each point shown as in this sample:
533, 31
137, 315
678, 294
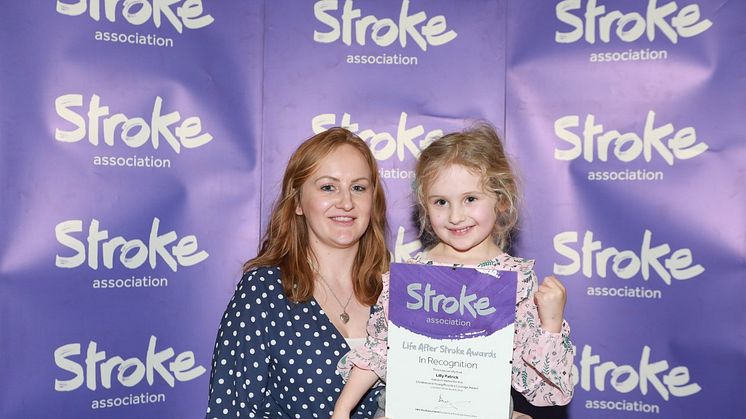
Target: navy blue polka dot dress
276, 359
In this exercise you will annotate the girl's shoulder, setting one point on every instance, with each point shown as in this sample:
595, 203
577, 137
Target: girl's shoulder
506, 262
385, 278
420, 258
503, 261
526, 277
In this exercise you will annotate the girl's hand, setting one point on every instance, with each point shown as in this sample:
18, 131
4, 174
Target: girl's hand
340, 415
550, 301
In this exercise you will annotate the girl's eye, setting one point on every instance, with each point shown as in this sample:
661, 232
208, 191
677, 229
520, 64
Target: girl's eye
327, 188
440, 202
471, 199
359, 188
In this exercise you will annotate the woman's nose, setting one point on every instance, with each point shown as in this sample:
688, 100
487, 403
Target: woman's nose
345, 201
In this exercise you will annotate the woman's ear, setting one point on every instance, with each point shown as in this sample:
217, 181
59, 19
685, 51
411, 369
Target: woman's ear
296, 198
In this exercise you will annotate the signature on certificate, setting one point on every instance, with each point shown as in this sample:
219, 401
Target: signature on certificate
448, 404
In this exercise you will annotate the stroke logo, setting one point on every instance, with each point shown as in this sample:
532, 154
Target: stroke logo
131, 253
98, 368
352, 25
594, 22
190, 14
592, 259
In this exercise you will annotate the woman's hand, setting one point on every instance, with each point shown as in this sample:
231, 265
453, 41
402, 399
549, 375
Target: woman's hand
550, 301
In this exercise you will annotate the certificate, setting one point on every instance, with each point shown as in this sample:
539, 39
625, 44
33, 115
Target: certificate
450, 342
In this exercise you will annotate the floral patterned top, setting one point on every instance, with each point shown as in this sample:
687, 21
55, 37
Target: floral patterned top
542, 360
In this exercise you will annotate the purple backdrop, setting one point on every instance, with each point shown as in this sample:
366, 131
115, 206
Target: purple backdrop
149, 141
631, 153
67, 99
312, 82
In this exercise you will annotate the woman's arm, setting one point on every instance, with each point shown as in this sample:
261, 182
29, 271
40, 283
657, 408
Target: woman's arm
240, 363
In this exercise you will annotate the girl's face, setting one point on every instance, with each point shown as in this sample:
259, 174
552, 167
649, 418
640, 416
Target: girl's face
336, 200
462, 213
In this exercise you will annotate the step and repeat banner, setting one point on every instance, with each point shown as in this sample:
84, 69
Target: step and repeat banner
142, 144
626, 120
398, 73
129, 142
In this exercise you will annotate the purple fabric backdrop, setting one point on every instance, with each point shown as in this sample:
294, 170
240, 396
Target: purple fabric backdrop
64, 169
397, 108
647, 232
121, 125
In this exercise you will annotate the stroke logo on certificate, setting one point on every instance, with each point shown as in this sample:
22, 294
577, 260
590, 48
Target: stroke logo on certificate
450, 342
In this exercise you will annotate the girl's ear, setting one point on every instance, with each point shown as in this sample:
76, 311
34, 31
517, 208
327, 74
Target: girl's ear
502, 203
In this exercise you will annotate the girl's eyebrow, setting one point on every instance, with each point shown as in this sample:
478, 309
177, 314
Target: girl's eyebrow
463, 194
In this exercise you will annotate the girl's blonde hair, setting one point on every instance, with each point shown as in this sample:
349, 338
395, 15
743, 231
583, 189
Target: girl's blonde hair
286, 242
480, 150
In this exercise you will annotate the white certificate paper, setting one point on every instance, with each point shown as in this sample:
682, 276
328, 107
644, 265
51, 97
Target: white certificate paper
450, 342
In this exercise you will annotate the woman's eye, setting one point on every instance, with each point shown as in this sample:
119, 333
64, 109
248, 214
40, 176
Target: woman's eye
359, 188
327, 188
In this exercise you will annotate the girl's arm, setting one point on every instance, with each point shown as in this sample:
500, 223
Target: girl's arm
358, 383
550, 301
543, 354
363, 366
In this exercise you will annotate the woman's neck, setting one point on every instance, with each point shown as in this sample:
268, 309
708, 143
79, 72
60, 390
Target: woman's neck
335, 265
441, 253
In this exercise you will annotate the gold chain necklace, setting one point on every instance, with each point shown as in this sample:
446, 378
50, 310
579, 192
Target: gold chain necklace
344, 316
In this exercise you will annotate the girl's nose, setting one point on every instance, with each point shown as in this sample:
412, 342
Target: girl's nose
456, 215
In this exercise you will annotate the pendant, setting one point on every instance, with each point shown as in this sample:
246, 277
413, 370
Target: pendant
344, 317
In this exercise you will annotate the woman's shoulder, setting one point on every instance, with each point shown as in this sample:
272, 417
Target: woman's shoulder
264, 278
263, 273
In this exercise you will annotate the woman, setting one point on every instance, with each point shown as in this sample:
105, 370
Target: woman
306, 297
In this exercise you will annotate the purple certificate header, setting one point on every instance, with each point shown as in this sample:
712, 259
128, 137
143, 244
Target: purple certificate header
451, 303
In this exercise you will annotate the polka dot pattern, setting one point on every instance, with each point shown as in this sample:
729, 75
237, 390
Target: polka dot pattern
276, 359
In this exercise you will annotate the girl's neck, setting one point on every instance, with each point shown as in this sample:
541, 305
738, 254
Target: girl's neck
443, 254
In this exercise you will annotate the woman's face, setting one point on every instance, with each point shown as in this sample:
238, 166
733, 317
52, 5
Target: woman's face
336, 200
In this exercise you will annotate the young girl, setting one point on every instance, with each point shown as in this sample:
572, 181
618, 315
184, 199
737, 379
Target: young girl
466, 196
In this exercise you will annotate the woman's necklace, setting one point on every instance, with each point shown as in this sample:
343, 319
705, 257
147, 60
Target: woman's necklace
344, 316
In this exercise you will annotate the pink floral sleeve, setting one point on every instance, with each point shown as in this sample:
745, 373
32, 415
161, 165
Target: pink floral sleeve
542, 360
371, 355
